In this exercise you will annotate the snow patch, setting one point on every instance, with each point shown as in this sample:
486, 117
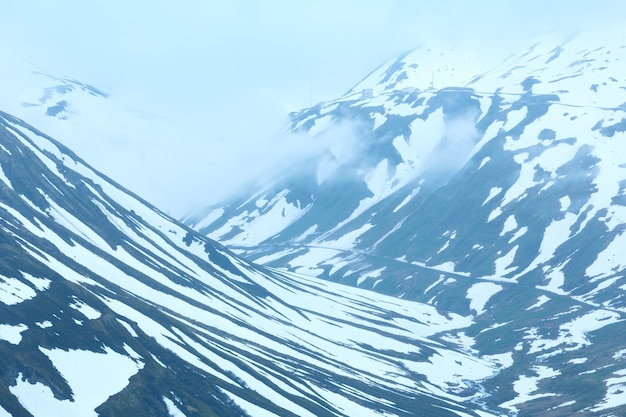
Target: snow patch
494, 191
172, 410
525, 386
13, 291
541, 300
12, 334
565, 202
86, 310
128, 327
509, 225
480, 293
93, 377
615, 393
370, 274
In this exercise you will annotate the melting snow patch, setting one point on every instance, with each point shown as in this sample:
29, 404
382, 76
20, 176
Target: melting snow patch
371, 274
445, 267
541, 300
509, 225
434, 284
556, 280
513, 118
12, 334
93, 377
504, 264
312, 258
521, 232
4, 178
616, 392
306, 233
172, 410
158, 361
494, 191
495, 213
611, 259
128, 328
453, 372
444, 247
565, 404
525, 386
41, 284
502, 360
407, 199
248, 407
13, 291
480, 293
573, 334
350, 239
565, 203
88, 311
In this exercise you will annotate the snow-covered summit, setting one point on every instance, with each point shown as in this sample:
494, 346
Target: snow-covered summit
506, 185
558, 67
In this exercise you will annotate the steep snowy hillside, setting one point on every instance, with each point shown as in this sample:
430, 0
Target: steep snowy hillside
108, 307
497, 193
502, 175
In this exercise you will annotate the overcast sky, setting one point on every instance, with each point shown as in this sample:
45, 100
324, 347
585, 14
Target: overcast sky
238, 67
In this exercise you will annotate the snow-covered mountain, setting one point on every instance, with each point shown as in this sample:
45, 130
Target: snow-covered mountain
109, 307
498, 193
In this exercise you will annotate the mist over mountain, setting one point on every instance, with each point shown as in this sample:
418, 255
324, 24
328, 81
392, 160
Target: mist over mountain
496, 193
487, 201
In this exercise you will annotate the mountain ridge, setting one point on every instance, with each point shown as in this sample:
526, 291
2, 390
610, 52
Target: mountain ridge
500, 197
110, 307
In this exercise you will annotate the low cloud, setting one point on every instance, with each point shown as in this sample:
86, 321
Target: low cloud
225, 75
455, 148
208, 170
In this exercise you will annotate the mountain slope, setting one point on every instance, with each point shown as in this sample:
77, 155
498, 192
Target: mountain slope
108, 307
502, 175
497, 193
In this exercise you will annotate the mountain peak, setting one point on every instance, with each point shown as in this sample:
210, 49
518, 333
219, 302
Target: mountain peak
497, 194
550, 65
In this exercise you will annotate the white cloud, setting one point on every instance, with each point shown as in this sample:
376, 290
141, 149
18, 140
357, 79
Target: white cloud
231, 71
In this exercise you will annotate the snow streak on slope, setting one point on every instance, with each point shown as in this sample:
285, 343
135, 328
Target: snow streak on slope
109, 307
